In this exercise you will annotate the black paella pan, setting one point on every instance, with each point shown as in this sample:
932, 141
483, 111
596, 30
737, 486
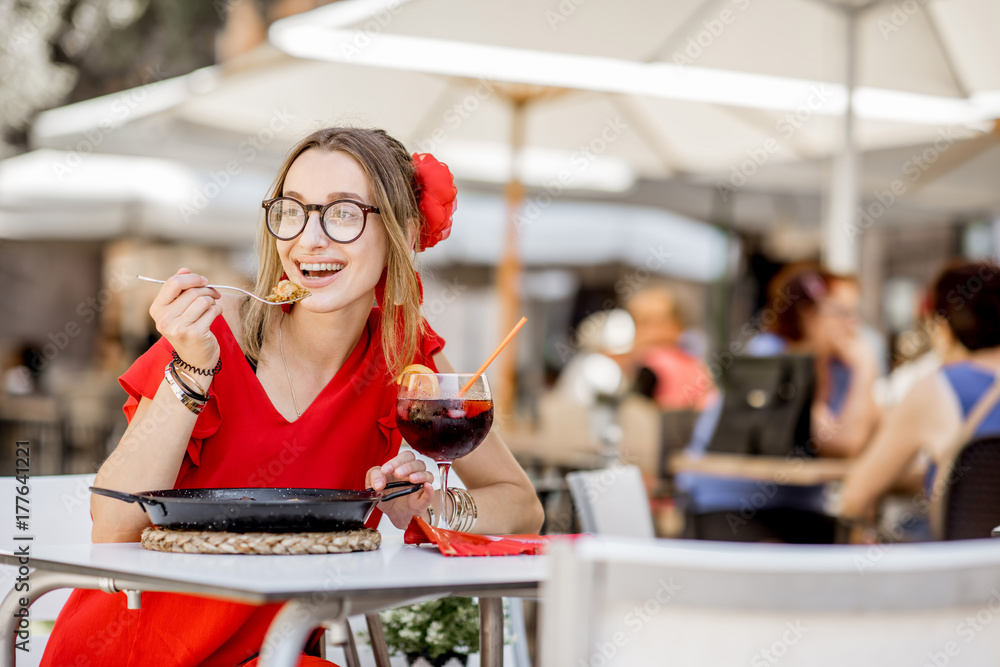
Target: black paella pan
260, 510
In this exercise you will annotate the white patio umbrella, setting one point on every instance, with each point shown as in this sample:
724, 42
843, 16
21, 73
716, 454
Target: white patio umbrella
916, 64
55, 195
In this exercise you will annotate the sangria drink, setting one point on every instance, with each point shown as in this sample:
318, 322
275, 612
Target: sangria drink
444, 417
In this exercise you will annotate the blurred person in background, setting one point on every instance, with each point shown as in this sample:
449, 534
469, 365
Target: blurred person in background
966, 325
816, 313
662, 368
927, 347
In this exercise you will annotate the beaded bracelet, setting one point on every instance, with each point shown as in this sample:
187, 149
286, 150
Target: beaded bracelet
194, 369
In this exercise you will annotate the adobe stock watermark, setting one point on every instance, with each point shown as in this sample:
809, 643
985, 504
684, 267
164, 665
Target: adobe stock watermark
247, 150
912, 170
366, 34
458, 113
625, 288
580, 161
126, 102
922, 504
562, 12
785, 127
712, 29
87, 311
901, 14
635, 620
31, 25
449, 293
780, 647
967, 629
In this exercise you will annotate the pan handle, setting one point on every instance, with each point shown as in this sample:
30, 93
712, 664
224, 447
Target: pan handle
410, 488
126, 497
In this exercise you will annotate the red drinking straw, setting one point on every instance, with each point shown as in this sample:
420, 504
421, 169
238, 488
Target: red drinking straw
500, 347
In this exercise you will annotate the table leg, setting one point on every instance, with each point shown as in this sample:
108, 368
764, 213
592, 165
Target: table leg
39, 583
491, 632
288, 632
377, 634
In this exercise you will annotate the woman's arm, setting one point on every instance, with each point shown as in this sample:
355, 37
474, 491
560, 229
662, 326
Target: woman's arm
921, 419
150, 453
846, 435
148, 457
505, 498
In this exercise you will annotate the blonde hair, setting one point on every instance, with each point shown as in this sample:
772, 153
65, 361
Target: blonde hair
389, 170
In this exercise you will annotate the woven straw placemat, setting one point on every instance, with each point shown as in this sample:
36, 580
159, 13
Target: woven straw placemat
209, 542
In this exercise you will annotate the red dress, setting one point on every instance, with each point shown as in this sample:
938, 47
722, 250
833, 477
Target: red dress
239, 440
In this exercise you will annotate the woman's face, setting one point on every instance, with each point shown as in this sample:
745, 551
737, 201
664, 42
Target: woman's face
338, 275
834, 318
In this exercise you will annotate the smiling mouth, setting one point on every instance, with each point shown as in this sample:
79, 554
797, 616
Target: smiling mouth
314, 270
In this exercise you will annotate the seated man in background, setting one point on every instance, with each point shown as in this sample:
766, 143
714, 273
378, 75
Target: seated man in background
674, 378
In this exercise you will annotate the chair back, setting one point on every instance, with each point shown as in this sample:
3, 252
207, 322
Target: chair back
60, 514
612, 501
676, 428
965, 503
618, 601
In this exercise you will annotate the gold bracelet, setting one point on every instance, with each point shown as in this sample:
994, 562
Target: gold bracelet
190, 378
454, 519
465, 514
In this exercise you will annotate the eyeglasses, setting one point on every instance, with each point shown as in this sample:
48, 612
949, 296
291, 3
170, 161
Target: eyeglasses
343, 220
842, 312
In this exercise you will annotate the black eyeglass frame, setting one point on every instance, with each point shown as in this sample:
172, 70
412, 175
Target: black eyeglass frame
322, 209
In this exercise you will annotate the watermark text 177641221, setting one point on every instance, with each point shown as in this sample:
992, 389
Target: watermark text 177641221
22, 517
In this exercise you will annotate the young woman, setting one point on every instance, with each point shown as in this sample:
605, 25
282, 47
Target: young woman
966, 300
295, 396
810, 312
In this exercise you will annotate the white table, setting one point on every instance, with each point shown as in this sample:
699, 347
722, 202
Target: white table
314, 589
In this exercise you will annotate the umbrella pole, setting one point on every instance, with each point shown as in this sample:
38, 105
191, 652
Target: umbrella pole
841, 235
509, 273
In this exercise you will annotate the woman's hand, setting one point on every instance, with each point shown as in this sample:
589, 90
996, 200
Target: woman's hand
183, 312
403, 467
852, 348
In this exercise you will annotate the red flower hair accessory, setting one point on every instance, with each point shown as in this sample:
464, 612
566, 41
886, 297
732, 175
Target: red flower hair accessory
436, 193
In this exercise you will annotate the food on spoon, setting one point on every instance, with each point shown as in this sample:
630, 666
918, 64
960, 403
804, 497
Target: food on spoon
417, 382
286, 290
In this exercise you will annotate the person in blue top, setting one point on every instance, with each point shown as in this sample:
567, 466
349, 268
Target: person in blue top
809, 311
966, 302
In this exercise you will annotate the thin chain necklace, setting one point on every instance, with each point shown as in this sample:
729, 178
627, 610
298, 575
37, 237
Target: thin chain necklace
281, 348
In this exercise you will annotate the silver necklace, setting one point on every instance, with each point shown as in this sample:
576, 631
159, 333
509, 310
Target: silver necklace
281, 348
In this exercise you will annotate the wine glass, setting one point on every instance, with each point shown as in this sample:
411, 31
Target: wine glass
440, 420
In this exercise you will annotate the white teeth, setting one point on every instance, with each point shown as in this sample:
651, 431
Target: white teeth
321, 267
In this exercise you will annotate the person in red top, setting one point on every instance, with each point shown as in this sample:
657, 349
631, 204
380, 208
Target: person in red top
681, 380
301, 396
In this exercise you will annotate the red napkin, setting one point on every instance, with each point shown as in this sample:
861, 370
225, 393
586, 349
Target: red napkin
454, 543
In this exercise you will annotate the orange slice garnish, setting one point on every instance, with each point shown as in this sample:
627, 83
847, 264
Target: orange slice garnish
421, 385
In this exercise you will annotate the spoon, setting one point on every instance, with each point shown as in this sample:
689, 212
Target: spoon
236, 289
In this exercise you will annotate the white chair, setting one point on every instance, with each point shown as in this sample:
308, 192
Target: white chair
612, 501
616, 601
59, 514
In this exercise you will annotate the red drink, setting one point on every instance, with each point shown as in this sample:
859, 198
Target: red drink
444, 428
